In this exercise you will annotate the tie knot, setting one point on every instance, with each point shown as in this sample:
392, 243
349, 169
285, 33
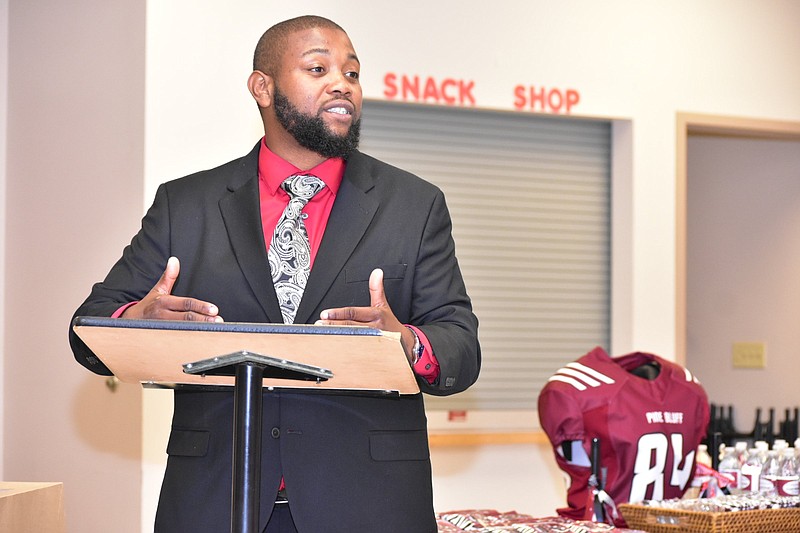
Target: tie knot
302, 186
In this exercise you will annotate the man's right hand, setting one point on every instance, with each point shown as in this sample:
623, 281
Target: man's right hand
162, 305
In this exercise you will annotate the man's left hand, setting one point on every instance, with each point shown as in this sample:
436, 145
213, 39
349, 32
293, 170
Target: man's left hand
378, 315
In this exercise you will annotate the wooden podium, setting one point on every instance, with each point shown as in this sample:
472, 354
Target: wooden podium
248, 357
27, 507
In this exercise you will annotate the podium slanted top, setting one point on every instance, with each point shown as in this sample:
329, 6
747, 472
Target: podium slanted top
154, 352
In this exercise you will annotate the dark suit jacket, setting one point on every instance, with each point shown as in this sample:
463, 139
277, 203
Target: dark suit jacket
350, 463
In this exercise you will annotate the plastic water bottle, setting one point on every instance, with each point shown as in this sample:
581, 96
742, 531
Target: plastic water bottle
702, 455
763, 447
788, 482
751, 472
702, 458
730, 467
741, 451
770, 473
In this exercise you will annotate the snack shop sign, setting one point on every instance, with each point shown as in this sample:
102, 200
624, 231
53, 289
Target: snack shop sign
461, 93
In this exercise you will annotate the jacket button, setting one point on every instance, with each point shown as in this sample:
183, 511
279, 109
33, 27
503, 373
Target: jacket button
275, 433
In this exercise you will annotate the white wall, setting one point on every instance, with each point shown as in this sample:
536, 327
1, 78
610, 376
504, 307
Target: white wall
3, 129
508, 477
639, 62
72, 195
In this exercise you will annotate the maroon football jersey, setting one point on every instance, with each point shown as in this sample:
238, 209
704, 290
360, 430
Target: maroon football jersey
649, 429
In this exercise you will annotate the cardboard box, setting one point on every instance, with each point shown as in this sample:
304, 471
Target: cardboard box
32, 507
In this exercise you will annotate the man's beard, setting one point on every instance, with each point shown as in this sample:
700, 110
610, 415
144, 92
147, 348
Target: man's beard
311, 132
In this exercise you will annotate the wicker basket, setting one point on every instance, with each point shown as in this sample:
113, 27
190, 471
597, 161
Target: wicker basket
656, 520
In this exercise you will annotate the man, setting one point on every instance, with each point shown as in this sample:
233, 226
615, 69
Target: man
380, 253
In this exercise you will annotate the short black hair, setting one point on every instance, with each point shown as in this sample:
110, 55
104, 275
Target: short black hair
267, 56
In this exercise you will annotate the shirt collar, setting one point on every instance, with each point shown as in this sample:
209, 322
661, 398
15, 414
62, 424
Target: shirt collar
273, 169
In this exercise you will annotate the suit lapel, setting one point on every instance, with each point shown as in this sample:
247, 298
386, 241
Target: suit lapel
350, 217
242, 216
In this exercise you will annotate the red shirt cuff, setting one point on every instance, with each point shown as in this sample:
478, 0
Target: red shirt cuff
118, 312
427, 366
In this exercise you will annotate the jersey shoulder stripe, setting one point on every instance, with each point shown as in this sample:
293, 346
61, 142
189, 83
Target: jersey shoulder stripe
591, 371
581, 376
568, 380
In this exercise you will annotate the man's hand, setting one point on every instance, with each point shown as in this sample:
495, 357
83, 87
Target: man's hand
378, 315
161, 304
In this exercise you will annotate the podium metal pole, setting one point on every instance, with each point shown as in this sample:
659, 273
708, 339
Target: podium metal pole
247, 448
249, 370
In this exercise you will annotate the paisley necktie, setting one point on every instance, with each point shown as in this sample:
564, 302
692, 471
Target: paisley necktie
290, 252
